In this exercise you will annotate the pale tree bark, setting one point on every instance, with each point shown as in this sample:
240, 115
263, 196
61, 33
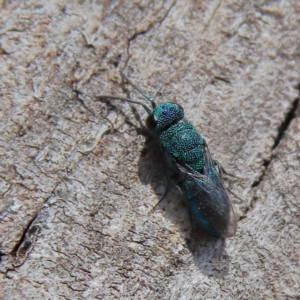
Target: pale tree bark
79, 178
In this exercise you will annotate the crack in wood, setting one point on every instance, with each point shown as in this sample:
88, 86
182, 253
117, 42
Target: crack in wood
284, 126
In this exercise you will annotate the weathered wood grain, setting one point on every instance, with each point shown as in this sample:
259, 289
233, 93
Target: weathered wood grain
79, 180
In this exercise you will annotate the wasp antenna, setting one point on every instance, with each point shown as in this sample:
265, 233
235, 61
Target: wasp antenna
138, 89
148, 110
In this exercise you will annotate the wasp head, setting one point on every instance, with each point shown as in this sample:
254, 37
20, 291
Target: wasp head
163, 116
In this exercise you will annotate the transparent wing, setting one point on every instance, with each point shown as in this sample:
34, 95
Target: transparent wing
207, 197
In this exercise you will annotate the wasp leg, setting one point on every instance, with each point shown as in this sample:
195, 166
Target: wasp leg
222, 171
165, 192
219, 167
163, 196
235, 195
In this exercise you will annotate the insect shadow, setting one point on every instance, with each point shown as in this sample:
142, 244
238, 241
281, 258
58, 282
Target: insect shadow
155, 170
208, 251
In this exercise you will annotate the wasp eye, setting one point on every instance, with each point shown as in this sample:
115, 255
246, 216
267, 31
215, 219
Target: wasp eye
151, 122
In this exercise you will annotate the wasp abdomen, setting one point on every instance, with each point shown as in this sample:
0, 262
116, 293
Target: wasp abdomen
213, 217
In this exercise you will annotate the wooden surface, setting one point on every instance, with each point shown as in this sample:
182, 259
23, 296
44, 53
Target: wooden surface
79, 178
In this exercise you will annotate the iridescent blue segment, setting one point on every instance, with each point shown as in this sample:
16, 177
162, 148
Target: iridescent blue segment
209, 202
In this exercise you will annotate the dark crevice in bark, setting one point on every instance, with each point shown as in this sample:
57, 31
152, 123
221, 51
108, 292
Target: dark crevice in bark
152, 24
292, 114
18, 245
285, 125
167, 12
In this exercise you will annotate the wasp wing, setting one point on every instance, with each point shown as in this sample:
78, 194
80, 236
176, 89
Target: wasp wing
207, 197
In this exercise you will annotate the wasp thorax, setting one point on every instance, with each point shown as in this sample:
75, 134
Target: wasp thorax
163, 116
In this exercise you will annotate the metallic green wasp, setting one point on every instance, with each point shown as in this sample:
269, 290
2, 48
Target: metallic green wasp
199, 176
